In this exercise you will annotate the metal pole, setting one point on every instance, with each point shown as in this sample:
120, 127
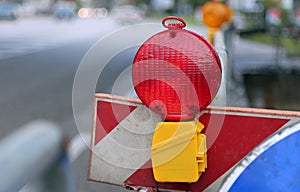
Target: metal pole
28, 153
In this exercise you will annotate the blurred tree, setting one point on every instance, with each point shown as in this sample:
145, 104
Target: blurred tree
193, 3
136, 2
197, 3
272, 3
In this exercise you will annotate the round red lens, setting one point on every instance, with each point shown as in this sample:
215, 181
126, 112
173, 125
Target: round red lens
176, 73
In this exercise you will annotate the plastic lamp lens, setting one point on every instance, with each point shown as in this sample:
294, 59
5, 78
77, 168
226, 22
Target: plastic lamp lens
176, 73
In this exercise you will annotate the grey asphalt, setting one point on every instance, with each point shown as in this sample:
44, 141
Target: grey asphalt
38, 85
38, 61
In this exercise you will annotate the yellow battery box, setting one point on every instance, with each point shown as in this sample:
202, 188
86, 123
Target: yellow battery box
178, 151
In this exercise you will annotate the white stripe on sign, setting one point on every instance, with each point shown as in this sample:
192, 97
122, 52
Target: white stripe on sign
117, 155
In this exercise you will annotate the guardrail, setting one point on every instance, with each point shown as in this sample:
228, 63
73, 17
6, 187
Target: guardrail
219, 45
35, 152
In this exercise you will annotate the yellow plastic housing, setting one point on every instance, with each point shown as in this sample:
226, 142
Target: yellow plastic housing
178, 151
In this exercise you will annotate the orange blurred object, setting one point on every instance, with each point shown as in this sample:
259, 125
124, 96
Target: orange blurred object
216, 13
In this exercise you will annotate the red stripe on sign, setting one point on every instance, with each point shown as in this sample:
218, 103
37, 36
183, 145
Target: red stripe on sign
237, 137
109, 115
144, 177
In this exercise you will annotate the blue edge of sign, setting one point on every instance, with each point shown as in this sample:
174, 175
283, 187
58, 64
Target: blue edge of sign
276, 169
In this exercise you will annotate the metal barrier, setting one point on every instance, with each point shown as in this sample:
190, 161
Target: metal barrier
35, 152
219, 45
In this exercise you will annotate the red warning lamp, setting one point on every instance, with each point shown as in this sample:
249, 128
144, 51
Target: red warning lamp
176, 72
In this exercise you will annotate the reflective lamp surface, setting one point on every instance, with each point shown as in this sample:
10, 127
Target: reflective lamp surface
176, 73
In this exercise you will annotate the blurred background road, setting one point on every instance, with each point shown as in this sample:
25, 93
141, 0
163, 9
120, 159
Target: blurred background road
42, 45
38, 61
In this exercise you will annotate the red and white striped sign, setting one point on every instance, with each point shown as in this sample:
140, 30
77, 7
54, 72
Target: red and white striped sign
122, 136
